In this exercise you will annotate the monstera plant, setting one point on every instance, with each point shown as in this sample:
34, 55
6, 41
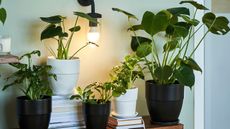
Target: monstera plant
172, 67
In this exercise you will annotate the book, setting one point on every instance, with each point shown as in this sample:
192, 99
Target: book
139, 126
66, 124
124, 121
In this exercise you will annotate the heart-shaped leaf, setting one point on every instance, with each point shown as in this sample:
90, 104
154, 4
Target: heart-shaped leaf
153, 24
75, 29
195, 4
144, 49
216, 25
185, 75
171, 45
3, 15
179, 10
86, 16
53, 19
194, 22
192, 63
125, 12
163, 73
51, 31
136, 41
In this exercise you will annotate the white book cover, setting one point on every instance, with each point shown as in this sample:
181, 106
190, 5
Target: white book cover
66, 124
65, 102
129, 127
73, 108
78, 117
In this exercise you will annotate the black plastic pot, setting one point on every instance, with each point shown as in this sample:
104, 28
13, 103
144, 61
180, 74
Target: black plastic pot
34, 114
164, 102
96, 115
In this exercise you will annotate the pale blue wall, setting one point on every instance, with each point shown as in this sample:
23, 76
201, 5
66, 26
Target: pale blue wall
24, 26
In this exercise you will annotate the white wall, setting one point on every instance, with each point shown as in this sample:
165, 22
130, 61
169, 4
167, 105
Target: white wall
24, 26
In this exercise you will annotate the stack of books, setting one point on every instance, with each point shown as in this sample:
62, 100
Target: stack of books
66, 113
126, 123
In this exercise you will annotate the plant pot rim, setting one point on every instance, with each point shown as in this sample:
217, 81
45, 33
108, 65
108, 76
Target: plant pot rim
25, 98
154, 82
53, 58
108, 102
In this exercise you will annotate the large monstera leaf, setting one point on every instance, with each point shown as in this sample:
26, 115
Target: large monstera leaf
216, 25
184, 74
153, 24
195, 4
137, 41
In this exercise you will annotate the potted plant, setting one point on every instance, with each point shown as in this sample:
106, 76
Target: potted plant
64, 65
96, 104
34, 108
169, 74
123, 77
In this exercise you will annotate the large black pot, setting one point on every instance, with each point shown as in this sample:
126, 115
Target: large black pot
96, 115
164, 102
34, 114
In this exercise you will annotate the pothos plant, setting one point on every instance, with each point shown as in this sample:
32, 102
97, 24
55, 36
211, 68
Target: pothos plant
95, 93
56, 30
31, 78
179, 28
3, 14
124, 75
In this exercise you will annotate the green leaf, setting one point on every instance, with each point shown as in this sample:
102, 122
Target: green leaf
144, 49
3, 15
51, 31
77, 97
53, 19
153, 24
75, 29
171, 45
216, 25
194, 22
192, 63
185, 75
86, 16
135, 28
125, 12
163, 73
178, 11
0, 2
136, 41
195, 4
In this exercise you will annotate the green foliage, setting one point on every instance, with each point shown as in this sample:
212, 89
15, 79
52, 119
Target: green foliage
179, 28
95, 93
31, 78
124, 75
56, 30
3, 14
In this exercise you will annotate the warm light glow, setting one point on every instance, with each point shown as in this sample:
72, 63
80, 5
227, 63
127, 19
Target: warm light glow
93, 35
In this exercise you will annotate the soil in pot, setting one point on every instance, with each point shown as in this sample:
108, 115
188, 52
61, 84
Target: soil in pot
33, 114
164, 102
96, 115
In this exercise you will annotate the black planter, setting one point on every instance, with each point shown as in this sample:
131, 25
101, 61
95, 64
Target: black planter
164, 102
34, 114
96, 115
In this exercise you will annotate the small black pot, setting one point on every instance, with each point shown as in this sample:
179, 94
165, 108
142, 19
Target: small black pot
164, 102
34, 114
96, 115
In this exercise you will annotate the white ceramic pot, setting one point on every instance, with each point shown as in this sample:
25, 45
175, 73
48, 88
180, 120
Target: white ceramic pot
125, 105
67, 72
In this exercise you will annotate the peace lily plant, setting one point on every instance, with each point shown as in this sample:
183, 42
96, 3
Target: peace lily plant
66, 78
172, 67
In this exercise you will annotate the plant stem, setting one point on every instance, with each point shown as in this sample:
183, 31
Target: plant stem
189, 37
79, 50
70, 38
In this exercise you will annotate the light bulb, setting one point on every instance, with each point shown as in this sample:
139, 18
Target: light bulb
93, 35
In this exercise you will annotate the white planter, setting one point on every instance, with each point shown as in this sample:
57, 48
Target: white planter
67, 72
125, 105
